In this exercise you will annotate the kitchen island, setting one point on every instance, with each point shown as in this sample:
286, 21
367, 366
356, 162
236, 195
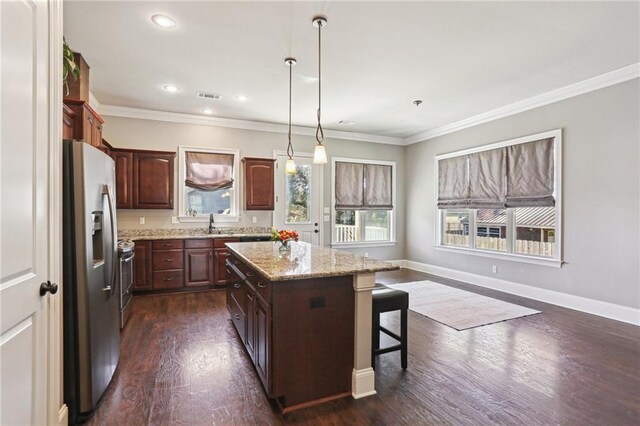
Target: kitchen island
304, 317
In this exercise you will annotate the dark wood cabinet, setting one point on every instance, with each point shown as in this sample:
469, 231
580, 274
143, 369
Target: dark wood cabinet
142, 266
85, 122
152, 180
124, 178
250, 335
220, 257
259, 185
198, 263
262, 340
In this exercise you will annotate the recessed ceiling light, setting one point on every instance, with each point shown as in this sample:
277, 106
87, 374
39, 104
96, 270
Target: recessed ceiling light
170, 88
163, 21
207, 111
346, 122
242, 98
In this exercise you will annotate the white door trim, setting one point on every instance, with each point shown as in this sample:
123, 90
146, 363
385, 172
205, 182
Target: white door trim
56, 409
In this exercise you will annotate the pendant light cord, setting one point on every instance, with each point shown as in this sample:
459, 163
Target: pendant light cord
290, 146
319, 131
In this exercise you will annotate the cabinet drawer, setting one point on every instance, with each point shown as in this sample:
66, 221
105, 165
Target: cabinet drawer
237, 263
200, 243
168, 244
168, 259
238, 290
168, 279
263, 287
220, 242
238, 318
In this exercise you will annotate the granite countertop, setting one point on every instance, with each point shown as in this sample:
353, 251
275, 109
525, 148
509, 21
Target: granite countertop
304, 261
193, 233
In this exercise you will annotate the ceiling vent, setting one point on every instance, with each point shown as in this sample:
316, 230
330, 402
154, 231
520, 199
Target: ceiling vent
211, 96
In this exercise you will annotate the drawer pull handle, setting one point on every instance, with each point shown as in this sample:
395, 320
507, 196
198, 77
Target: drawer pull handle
237, 316
261, 285
250, 274
167, 260
236, 285
168, 279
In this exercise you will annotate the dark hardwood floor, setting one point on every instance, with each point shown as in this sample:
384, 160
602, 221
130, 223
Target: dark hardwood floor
182, 363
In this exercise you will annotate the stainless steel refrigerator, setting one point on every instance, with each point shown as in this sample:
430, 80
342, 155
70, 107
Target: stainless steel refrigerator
90, 293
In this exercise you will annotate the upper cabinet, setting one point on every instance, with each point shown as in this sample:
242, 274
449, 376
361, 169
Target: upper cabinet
153, 180
259, 183
144, 179
81, 122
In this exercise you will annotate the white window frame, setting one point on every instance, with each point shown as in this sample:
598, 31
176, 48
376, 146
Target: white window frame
555, 261
392, 213
234, 215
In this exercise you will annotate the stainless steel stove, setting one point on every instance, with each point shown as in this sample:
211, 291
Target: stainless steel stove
126, 254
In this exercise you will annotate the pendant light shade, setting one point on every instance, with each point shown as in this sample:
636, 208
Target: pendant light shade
290, 167
319, 155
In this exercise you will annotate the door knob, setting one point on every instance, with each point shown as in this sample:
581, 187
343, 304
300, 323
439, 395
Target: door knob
48, 287
316, 231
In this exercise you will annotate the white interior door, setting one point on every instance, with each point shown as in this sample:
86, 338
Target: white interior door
24, 211
299, 198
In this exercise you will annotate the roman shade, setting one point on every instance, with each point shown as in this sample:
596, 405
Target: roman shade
208, 171
530, 174
361, 186
487, 179
519, 175
453, 182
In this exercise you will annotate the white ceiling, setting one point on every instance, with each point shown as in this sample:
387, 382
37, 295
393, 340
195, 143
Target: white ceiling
461, 59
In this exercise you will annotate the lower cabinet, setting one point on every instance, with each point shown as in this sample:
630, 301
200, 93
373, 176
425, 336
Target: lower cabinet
181, 264
262, 339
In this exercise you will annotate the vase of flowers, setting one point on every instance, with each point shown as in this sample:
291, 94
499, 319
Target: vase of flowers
283, 237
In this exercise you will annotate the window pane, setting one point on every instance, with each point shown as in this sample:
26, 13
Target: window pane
536, 231
456, 228
298, 195
362, 225
207, 202
491, 229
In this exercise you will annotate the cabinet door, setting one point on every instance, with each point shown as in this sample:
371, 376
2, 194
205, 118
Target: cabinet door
96, 131
262, 341
124, 178
142, 266
259, 187
198, 267
221, 277
250, 337
68, 118
87, 127
153, 180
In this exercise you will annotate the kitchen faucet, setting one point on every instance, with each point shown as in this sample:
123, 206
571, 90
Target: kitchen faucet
212, 229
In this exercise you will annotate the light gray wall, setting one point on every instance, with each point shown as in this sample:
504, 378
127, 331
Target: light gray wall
601, 195
158, 135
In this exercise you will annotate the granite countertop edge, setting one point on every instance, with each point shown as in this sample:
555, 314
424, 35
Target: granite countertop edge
186, 237
280, 278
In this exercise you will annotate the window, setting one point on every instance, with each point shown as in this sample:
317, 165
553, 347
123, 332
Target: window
298, 195
503, 199
208, 184
363, 194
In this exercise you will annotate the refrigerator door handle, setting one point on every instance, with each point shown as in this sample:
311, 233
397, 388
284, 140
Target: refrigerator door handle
106, 190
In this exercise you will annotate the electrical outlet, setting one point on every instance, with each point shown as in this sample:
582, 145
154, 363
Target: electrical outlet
326, 210
174, 219
254, 219
494, 269
142, 221
366, 254
327, 218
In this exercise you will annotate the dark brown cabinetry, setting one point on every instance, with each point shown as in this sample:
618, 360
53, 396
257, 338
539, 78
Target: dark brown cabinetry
152, 180
167, 262
124, 178
259, 183
142, 266
293, 329
220, 255
82, 122
144, 179
198, 263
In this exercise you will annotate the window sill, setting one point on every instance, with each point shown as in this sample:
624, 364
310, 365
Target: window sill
205, 219
503, 256
364, 244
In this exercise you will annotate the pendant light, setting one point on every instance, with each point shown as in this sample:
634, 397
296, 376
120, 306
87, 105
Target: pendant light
290, 167
319, 155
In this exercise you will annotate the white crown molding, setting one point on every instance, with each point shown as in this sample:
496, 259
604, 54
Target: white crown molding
598, 82
93, 101
579, 303
175, 117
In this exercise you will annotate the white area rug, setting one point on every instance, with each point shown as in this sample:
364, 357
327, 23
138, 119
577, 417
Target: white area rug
458, 309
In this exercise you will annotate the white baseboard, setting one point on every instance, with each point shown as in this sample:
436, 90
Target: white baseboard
63, 415
363, 383
578, 303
